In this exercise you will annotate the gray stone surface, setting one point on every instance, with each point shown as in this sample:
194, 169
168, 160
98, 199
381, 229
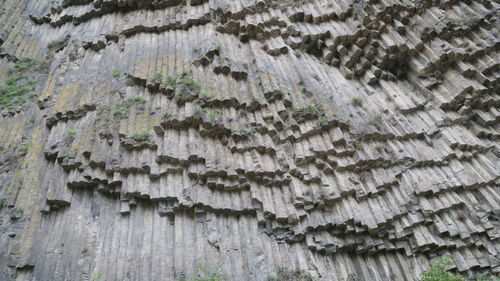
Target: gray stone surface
339, 139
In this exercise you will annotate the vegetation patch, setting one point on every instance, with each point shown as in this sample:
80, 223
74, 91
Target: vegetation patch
214, 115
116, 73
322, 192
187, 86
3, 201
439, 271
322, 122
120, 111
198, 111
286, 274
71, 132
18, 89
143, 136
123, 107
157, 79
204, 273
171, 81
207, 95
309, 108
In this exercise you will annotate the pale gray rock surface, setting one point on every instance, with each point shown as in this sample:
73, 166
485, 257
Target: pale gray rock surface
343, 140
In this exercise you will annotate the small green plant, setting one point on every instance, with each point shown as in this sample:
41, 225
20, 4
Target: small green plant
206, 274
142, 137
124, 106
187, 83
3, 200
116, 73
439, 271
171, 81
286, 274
207, 95
213, 115
157, 77
197, 111
322, 122
310, 108
71, 132
120, 111
23, 148
96, 276
15, 89
322, 192
25, 64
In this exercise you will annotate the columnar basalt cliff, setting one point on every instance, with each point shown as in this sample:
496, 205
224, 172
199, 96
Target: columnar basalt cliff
319, 139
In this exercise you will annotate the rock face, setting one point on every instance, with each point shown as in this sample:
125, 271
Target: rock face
335, 140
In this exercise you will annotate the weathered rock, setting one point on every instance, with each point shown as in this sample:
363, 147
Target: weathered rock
341, 140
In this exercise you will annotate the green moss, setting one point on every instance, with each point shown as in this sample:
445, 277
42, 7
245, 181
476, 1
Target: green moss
96, 277
23, 148
138, 98
310, 108
116, 73
71, 132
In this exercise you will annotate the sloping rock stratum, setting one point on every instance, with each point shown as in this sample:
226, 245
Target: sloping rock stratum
344, 140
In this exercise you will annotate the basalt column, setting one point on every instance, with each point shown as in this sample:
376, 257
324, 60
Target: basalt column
248, 140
